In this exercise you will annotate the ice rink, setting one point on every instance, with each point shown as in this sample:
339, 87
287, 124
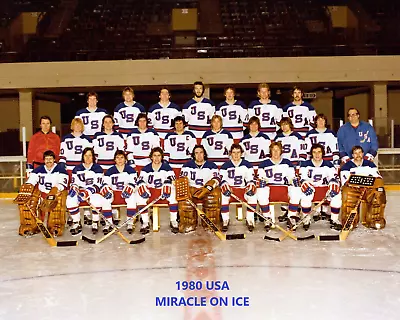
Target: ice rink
355, 279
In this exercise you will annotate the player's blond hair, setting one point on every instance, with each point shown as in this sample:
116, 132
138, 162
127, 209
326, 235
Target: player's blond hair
217, 116
275, 144
128, 89
77, 121
261, 86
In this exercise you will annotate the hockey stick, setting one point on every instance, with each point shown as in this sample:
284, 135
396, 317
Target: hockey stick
48, 236
287, 233
117, 229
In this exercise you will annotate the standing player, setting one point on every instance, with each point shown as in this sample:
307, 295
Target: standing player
156, 178
140, 142
198, 111
126, 112
162, 113
217, 142
91, 115
302, 113
318, 176
233, 113
268, 111
178, 145
237, 177
255, 143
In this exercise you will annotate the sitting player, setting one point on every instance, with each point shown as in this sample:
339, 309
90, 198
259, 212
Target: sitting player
118, 188
318, 176
373, 209
87, 179
156, 179
278, 183
51, 179
237, 177
204, 183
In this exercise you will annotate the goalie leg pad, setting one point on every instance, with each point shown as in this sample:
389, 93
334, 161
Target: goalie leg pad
188, 217
27, 221
350, 197
212, 206
56, 219
375, 203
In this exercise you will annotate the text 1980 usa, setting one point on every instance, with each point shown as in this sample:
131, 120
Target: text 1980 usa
216, 285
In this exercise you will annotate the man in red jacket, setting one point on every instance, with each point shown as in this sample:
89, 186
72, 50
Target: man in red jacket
40, 142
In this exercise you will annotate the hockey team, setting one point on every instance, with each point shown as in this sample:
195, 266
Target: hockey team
263, 154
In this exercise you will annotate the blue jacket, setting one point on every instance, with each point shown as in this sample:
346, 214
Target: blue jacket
364, 135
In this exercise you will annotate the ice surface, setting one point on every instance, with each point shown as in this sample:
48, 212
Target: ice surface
355, 279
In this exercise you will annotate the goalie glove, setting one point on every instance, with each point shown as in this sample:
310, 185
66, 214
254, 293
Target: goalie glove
127, 191
369, 157
106, 192
251, 189
166, 190
143, 191
334, 189
84, 194
307, 188
226, 189
73, 190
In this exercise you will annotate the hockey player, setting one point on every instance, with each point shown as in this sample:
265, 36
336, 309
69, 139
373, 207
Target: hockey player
268, 111
178, 145
198, 111
157, 178
106, 142
325, 137
300, 112
233, 113
73, 144
356, 133
91, 116
255, 144
87, 179
119, 187
294, 147
277, 183
318, 176
40, 142
204, 181
140, 142
126, 112
217, 142
162, 113
237, 177
51, 178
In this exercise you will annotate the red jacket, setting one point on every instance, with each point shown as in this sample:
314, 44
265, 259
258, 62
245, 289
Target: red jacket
41, 142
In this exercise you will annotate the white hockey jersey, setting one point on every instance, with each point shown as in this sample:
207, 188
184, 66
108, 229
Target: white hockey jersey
302, 116
57, 176
92, 120
281, 173
88, 177
71, 149
125, 117
156, 179
178, 148
160, 118
217, 145
105, 146
139, 145
318, 176
233, 117
256, 149
293, 147
269, 114
200, 175
328, 140
118, 180
198, 115
367, 168
238, 176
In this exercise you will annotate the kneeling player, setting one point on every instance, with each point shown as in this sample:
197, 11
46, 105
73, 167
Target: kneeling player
319, 176
156, 178
278, 183
237, 177
119, 186
51, 179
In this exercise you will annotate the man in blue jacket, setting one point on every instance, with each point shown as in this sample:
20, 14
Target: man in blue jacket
356, 133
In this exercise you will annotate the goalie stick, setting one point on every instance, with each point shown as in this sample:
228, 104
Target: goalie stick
117, 229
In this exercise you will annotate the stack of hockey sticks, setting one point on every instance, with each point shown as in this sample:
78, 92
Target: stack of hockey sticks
183, 194
117, 229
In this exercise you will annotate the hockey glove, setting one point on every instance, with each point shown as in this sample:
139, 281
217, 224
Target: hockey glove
296, 182
307, 188
251, 189
262, 183
226, 189
334, 189
345, 159
73, 191
166, 190
369, 157
143, 191
106, 192
127, 191
84, 194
